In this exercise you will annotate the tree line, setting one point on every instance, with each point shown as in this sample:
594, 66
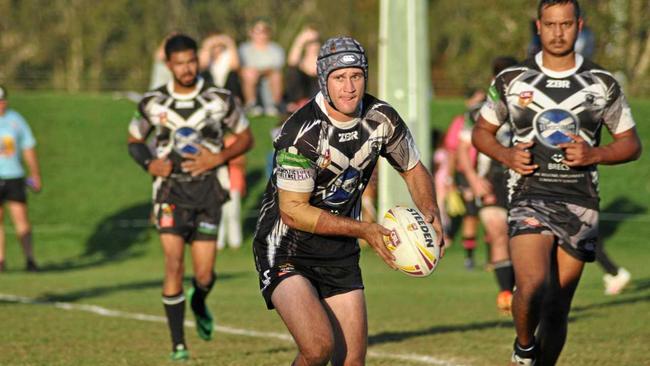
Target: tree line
88, 45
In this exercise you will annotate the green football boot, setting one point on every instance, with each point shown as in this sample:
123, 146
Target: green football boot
180, 353
204, 323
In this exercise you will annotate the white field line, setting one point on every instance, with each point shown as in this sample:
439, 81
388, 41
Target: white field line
102, 311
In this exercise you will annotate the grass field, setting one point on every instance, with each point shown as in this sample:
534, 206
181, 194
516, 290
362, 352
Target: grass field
97, 301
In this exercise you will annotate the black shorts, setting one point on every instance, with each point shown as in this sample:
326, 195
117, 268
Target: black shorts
13, 190
574, 227
190, 223
471, 206
328, 280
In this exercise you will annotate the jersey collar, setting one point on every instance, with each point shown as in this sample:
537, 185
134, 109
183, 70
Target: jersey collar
320, 100
559, 74
192, 95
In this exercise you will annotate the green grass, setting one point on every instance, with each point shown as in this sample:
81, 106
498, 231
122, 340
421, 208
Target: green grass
93, 191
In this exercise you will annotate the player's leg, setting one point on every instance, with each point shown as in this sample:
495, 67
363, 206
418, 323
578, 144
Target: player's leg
2, 239
172, 296
470, 230
297, 303
203, 258
494, 220
275, 84
18, 211
347, 313
551, 334
531, 257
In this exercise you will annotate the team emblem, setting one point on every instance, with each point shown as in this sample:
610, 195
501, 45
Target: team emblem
552, 126
344, 187
187, 140
525, 97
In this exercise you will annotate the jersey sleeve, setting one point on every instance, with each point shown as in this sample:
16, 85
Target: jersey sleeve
617, 115
26, 138
495, 109
295, 158
400, 150
140, 126
235, 119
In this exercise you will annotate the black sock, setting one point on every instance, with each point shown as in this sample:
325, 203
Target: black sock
175, 311
505, 275
527, 351
200, 293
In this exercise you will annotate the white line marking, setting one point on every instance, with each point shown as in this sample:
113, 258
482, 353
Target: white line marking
99, 310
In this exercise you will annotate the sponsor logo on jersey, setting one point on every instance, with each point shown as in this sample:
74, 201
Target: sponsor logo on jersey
184, 104
553, 125
493, 93
532, 222
348, 136
348, 59
287, 159
558, 84
324, 160
187, 140
525, 97
558, 166
294, 174
344, 187
557, 157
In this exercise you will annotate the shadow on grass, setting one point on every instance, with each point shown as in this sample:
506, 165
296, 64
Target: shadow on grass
388, 337
121, 235
98, 291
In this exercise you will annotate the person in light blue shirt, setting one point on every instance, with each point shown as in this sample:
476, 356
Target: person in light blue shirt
16, 146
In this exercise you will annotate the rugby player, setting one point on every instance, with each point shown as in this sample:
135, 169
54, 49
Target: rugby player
188, 118
556, 103
305, 245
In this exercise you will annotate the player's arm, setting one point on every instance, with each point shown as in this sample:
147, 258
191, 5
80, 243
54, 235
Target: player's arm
196, 164
517, 158
139, 129
421, 187
625, 147
29, 156
297, 213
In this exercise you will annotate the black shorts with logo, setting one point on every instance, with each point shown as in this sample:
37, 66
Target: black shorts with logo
327, 280
13, 190
574, 227
190, 223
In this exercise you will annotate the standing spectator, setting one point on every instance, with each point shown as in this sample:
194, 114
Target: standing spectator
302, 81
261, 59
16, 145
219, 62
230, 228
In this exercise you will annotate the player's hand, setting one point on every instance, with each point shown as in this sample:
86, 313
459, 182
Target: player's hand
433, 217
520, 159
201, 162
160, 167
578, 152
375, 236
34, 182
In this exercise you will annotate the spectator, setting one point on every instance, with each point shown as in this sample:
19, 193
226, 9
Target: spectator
16, 145
219, 62
301, 78
261, 59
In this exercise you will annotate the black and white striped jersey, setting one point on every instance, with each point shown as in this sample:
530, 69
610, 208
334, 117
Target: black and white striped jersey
542, 105
333, 161
180, 123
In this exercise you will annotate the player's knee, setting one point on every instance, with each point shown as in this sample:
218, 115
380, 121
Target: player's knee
204, 277
174, 268
319, 353
530, 289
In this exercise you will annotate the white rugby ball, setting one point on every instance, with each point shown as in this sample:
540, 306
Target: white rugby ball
412, 241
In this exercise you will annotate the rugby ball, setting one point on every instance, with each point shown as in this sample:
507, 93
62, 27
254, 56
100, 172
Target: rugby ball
412, 241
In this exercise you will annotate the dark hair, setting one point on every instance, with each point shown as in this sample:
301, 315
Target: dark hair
501, 63
179, 43
546, 3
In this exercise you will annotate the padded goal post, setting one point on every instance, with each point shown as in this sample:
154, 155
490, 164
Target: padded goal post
405, 83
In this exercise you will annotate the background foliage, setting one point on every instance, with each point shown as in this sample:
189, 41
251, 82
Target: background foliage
78, 45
